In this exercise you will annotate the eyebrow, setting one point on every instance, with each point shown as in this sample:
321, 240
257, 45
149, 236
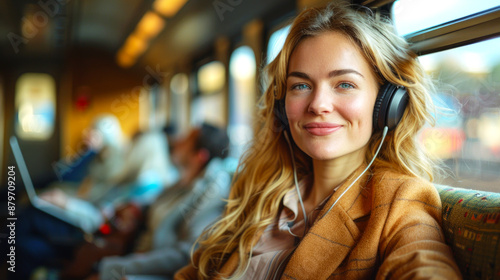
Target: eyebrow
333, 73
341, 72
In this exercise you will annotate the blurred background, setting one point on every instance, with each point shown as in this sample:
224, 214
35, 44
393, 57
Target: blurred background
111, 102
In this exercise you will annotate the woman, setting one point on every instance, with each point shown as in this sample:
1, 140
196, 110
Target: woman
352, 218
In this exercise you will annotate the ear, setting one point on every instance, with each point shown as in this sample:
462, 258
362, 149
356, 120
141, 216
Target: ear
203, 155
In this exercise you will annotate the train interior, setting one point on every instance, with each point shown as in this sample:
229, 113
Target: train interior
154, 64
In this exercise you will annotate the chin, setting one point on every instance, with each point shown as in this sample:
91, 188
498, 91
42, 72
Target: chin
332, 152
323, 158
323, 155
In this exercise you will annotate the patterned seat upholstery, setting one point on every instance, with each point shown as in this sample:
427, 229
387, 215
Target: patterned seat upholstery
471, 224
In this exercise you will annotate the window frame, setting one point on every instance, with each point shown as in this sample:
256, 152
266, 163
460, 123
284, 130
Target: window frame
459, 32
474, 28
466, 30
179, 109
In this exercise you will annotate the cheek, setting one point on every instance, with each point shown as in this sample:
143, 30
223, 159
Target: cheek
359, 112
294, 109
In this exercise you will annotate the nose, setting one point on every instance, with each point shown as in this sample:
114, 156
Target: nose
321, 101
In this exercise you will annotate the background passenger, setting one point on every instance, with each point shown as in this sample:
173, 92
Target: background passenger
46, 241
143, 174
342, 217
181, 212
101, 161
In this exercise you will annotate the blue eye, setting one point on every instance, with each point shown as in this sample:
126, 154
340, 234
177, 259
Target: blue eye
346, 86
300, 87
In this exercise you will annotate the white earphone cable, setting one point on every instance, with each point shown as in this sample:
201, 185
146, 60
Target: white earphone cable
296, 181
384, 134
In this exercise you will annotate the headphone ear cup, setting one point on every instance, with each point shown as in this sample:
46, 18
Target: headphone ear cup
389, 107
378, 118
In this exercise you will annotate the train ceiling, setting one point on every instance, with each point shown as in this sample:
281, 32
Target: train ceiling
52, 28
32, 29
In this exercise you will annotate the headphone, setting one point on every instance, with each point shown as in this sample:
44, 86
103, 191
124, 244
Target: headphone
389, 107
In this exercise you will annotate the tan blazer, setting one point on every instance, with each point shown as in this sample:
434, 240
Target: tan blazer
386, 226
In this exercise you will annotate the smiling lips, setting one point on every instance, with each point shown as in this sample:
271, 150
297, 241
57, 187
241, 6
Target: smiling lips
321, 129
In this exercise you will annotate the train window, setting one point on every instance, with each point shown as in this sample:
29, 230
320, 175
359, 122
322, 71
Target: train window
179, 86
276, 42
209, 105
211, 77
153, 110
410, 16
242, 98
467, 132
35, 102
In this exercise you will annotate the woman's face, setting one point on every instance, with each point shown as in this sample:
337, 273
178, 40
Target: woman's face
331, 92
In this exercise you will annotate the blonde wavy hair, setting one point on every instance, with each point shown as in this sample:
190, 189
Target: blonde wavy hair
266, 173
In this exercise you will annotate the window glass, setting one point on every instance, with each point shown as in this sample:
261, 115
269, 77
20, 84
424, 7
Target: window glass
242, 98
35, 106
411, 16
153, 108
211, 77
208, 108
467, 131
210, 105
276, 42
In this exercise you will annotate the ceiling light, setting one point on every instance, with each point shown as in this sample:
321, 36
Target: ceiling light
134, 45
150, 25
168, 8
124, 59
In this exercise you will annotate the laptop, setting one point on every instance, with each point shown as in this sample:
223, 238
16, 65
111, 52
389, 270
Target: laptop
39, 203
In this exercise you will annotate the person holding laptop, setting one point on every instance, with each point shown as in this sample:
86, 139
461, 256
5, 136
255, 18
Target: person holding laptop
48, 240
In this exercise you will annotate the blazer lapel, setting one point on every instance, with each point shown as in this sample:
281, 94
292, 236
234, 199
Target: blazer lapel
332, 237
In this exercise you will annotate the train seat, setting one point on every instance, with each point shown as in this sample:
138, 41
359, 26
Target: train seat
471, 225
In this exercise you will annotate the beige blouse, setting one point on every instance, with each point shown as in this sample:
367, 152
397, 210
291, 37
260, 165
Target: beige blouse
279, 240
